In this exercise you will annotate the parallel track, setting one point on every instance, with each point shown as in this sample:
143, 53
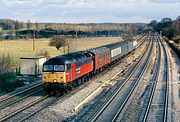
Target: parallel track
143, 66
19, 93
165, 78
9, 116
154, 79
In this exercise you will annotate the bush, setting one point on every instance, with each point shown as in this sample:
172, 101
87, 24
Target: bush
6, 62
8, 82
58, 42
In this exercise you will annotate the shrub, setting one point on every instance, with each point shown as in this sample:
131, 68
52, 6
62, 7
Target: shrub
6, 62
8, 82
58, 42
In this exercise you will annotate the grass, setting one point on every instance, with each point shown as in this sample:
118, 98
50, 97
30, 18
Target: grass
20, 48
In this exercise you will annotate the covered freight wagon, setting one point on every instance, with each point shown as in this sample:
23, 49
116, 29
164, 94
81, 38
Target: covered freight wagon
101, 55
130, 45
117, 49
31, 65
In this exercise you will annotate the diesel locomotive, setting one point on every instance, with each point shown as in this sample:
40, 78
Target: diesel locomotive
64, 72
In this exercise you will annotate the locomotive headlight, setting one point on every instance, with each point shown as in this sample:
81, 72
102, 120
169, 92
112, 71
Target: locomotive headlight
54, 80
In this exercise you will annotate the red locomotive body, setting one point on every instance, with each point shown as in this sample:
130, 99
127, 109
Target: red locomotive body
82, 66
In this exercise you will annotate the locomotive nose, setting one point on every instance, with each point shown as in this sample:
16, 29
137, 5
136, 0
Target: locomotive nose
58, 77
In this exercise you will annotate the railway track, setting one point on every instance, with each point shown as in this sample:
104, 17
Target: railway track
13, 99
153, 80
113, 107
166, 78
159, 95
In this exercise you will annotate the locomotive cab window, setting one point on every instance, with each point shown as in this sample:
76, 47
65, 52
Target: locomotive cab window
48, 68
59, 68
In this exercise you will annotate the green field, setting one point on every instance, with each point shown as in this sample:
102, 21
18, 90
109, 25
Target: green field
20, 48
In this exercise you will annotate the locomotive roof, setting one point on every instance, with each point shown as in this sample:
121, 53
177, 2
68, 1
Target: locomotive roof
67, 58
58, 60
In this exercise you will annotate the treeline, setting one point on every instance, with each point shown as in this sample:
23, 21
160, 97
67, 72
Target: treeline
12, 29
167, 27
170, 29
46, 33
8, 24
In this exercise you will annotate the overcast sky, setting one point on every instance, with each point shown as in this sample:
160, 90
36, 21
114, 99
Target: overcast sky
85, 11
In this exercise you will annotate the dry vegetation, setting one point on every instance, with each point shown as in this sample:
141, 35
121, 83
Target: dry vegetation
19, 48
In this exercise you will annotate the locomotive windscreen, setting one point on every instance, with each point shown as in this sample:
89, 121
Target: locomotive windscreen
53, 68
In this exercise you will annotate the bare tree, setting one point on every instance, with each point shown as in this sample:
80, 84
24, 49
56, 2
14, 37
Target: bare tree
1, 31
58, 42
5, 63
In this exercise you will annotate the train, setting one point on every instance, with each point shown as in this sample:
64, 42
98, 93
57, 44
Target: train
64, 72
